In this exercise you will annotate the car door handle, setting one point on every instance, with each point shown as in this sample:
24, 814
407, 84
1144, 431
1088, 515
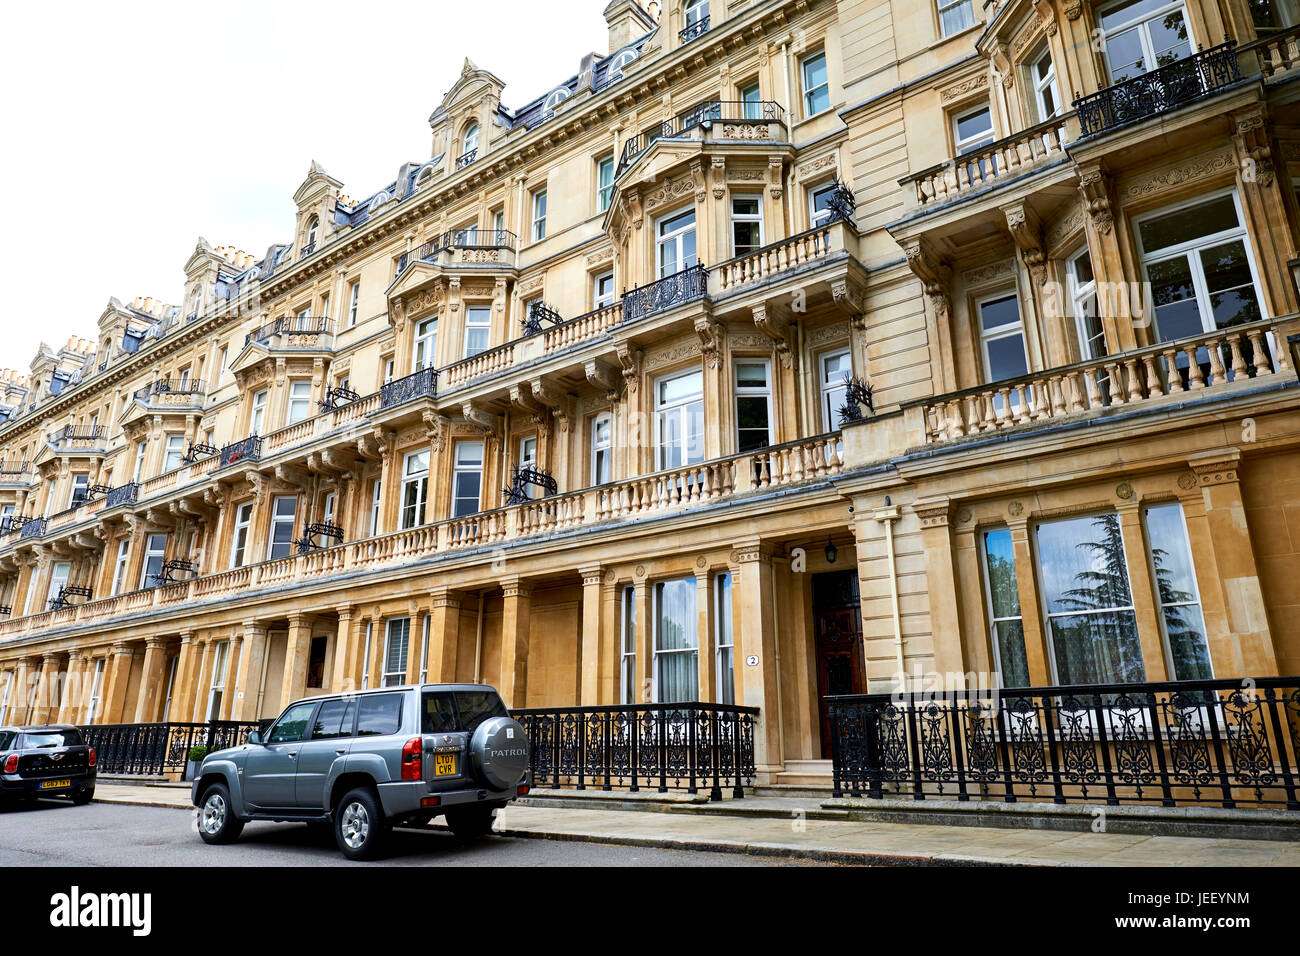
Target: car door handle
291, 753
341, 752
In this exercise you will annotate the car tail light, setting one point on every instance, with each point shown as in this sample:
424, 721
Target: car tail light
522, 790
11, 763
412, 766
92, 756
430, 801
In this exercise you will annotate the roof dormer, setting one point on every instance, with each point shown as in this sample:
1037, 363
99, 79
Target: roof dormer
316, 199
465, 123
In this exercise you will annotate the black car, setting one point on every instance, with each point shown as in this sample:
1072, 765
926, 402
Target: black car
51, 761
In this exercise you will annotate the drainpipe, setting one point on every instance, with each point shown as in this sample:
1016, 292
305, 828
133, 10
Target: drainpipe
478, 643
887, 516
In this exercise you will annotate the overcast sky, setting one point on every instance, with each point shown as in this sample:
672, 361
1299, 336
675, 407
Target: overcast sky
134, 127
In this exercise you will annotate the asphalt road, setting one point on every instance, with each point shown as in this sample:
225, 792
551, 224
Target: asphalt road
54, 833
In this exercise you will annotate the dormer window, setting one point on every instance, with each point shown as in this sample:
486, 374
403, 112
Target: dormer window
312, 228
554, 99
470, 141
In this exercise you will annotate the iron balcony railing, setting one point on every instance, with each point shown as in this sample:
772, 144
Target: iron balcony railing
122, 495
10, 524
1177, 742
157, 749
710, 111
77, 433
290, 325
680, 287
687, 746
1159, 91
246, 449
307, 249
421, 383
466, 158
33, 528
13, 467
693, 30
458, 239
166, 386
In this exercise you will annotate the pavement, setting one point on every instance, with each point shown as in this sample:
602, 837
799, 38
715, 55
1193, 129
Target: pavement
800, 829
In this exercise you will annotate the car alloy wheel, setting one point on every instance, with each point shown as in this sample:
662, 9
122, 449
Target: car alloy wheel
214, 813
355, 826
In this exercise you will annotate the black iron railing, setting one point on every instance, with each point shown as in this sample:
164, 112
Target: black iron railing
539, 312
10, 524
122, 495
63, 599
423, 382
198, 451
165, 386
13, 468
337, 398
32, 528
466, 158
710, 111
6, 610
290, 325
171, 572
458, 239
246, 449
318, 535
307, 249
696, 29
1159, 91
680, 287
688, 746
528, 483
156, 749
77, 433
1178, 742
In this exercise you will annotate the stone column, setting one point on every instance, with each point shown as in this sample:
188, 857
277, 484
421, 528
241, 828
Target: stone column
1142, 590
47, 702
941, 580
148, 704
1031, 620
705, 630
417, 651
297, 648
592, 653
340, 679
24, 692
758, 685
198, 697
611, 655
378, 646
249, 681
515, 620
116, 679
234, 670
69, 709
444, 635
183, 688
644, 692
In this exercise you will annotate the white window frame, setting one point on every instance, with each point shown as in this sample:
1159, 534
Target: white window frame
601, 300
724, 637
676, 240
627, 678
121, 564
217, 684
946, 6
173, 452
810, 93
749, 391
696, 10
830, 390
538, 205
96, 691
469, 141
354, 301
425, 347
968, 144
751, 108
278, 519
818, 216
257, 414
239, 543
80, 483
1045, 85
690, 629
1196, 589
459, 468
602, 451
299, 408
327, 511
151, 551
1000, 332
417, 479
995, 640
478, 319
140, 451
680, 409
394, 674
755, 217
1083, 297
604, 188
57, 580
1142, 24
376, 505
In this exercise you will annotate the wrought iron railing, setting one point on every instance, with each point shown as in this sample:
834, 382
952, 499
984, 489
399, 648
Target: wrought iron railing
160, 748
165, 386
710, 111
178, 569
198, 451
318, 535
32, 528
14, 467
246, 449
63, 599
122, 495
337, 398
290, 325
10, 524
1177, 742
77, 433
307, 249
680, 287
528, 483
1160, 90
466, 158
423, 382
474, 238
687, 746
691, 31
539, 312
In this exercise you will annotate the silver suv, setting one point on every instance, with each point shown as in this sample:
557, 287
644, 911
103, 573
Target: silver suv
364, 761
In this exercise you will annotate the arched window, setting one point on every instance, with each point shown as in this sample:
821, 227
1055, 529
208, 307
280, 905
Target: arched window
696, 10
470, 141
621, 60
311, 230
554, 99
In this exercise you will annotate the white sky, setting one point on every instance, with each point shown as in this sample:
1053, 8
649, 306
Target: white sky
132, 128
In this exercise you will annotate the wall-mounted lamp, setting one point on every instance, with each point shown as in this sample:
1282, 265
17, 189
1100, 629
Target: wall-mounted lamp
831, 552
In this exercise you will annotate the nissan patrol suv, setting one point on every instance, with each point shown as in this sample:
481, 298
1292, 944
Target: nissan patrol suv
46, 761
364, 761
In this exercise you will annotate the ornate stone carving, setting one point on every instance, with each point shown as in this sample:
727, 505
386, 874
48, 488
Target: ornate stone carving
1094, 186
1181, 174
710, 334
975, 83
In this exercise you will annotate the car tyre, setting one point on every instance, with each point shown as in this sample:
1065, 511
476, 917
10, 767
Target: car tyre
470, 823
82, 797
217, 820
359, 825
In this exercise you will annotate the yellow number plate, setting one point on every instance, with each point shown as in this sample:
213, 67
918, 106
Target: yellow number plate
444, 765
55, 784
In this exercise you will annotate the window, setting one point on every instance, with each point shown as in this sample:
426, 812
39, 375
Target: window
399, 637
604, 182
140, 451
365, 657
243, 519
415, 488
379, 714
478, 329
1046, 97
388, 370
426, 344
602, 434
325, 306
528, 458
676, 242
327, 513
292, 724
499, 225
354, 301
217, 687
697, 11
221, 365
58, 580
96, 692
80, 488
469, 142
1002, 338
1179, 601
1141, 35
539, 215
334, 719
173, 452
1092, 628
724, 640
751, 105
299, 401
955, 16
1083, 303
746, 225
1200, 270
154, 551
467, 478
819, 204
283, 509
676, 646
312, 228
376, 491
258, 413
816, 90
753, 406
1006, 627
603, 290
836, 369
679, 420
120, 565
971, 131
424, 648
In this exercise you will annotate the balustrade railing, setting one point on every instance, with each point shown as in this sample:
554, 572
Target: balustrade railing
1178, 742
687, 746
777, 257
583, 327
476, 366
474, 238
1276, 52
291, 325
742, 112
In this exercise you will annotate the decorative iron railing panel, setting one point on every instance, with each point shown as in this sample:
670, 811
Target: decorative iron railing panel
1159, 91
423, 382
687, 746
680, 287
696, 29
710, 111
122, 495
33, 528
246, 449
1178, 742
156, 749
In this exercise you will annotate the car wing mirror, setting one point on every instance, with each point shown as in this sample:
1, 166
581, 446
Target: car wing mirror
255, 737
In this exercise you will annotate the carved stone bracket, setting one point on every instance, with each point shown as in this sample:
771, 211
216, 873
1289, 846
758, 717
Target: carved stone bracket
777, 328
1094, 186
1025, 229
711, 335
1254, 154
630, 359
605, 377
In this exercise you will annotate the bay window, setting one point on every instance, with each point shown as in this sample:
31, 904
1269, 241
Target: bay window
258, 413
424, 353
675, 242
299, 401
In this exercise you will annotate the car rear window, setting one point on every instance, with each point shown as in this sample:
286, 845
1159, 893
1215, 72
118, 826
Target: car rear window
476, 706
439, 715
52, 739
379, 714
461, 710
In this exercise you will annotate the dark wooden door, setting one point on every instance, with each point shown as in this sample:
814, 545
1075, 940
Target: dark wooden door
837, 614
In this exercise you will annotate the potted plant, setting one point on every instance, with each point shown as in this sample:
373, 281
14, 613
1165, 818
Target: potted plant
194, 758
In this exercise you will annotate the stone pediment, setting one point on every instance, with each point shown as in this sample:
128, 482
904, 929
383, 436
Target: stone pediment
472, 84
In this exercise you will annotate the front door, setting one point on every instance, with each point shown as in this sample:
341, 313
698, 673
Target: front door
837, 614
